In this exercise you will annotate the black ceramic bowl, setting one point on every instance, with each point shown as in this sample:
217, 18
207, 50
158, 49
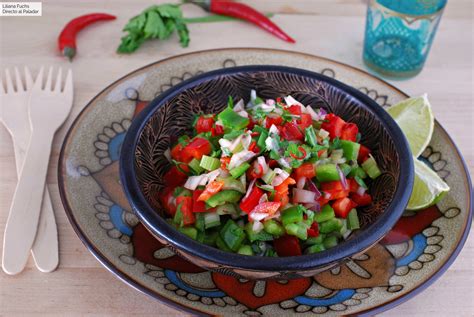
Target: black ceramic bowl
170, 115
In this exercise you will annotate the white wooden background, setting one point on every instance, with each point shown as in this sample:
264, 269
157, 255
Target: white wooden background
330, 28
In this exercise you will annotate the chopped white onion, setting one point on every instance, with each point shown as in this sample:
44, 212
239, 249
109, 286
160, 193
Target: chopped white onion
323, 133
249, 190
271, 144
267, 187
303, 196
270, 102
275, 215
263, 199
167, 154
243, 113
194, 181
278, 111
312, 113
283, 162
253, 95
243, 180
204, 180
266, 108
239, 106
257, 226
239, 158
273, 130
360, 191
342, 177
301, 182
346, 234
225, 143
261, 161
280, 177
246, 140
290, 101
326, 195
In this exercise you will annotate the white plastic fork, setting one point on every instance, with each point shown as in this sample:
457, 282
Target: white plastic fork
48, 109
14, 115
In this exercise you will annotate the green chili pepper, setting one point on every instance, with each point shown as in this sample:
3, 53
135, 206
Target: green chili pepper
327, 173
351, 149
245, 250
230, 119
257, 236
325, 214
331, 225
273, 228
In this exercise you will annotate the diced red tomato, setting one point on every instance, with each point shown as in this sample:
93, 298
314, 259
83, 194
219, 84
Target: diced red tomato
217, 130
176, 152
269, 121
272, 163
336, 194
334, 185
342, 207
268, 208
174, 177
211, 189
363, 153
185, 203
349, 132
334, 125
198, 206
196, 149
353, 185
253, 147
251, 124
281, 191
305, 121
168, 201
204, 124
256, 171
225, 162
305, 170
249, 203
313, 231
294, 109
361, 200
287, 246
291, 132
323, 201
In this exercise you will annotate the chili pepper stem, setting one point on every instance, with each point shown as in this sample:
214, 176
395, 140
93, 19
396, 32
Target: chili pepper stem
69, 52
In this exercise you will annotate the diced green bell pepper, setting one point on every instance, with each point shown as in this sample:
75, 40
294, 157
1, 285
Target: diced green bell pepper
245, 250
257, 236
357, 171
371, 168
230, 119
299, 230
236, 172
231, 183
273, 228
325, 214
292, 215
315, 248
189, 231
331, 225
351, 149
225, 196
327, 173
330, 241
232, 235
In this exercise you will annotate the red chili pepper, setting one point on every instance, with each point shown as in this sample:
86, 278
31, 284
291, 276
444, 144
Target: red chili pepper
243, 12
302, 152
287, 246
253, 147
67, 38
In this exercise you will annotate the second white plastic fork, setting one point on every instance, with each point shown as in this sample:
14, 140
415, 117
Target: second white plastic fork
14, 115
48, 109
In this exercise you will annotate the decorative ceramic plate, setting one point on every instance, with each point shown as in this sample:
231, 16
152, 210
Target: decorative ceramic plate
417, 251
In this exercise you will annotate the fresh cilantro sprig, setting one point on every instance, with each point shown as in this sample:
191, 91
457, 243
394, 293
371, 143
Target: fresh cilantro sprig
156, 22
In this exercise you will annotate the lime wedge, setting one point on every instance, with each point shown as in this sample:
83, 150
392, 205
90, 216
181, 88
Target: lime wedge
415, 118
428, 188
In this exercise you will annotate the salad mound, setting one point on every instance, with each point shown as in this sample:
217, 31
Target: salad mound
269, 178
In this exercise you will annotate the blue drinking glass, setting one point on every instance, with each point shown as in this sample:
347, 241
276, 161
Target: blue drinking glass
399, 34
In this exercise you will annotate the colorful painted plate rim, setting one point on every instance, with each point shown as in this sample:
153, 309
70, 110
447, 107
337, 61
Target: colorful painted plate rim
123, 276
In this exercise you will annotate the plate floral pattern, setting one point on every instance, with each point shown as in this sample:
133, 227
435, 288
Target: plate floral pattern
417, 250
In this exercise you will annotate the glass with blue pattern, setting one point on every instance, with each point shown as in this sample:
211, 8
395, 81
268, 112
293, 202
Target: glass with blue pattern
399, 34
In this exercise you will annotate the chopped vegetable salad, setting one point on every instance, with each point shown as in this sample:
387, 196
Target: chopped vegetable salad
268, 178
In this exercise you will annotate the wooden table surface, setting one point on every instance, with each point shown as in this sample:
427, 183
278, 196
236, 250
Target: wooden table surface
328, 28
